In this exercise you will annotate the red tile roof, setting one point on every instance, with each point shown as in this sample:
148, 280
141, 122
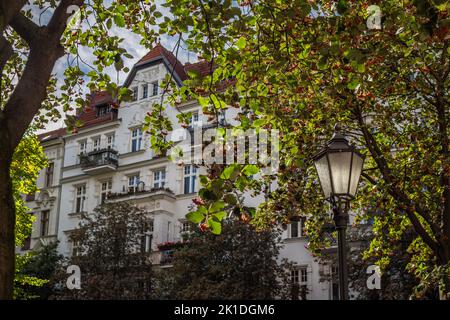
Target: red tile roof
160, 52
203, 67
89, 115
52, 134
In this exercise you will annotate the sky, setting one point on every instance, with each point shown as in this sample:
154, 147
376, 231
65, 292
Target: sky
131, 43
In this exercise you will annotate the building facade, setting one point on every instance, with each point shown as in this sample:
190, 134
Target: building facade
109, 159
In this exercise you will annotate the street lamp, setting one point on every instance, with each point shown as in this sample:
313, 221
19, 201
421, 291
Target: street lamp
339, 167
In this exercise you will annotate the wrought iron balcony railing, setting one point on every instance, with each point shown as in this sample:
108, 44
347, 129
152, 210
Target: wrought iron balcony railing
98, 158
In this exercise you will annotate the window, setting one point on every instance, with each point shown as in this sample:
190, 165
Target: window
136, 139
297, 228
334, 283
133, 183
96, 143
103, 110
299, 276
80, 198
83, 146
106, 189
110, 141
135, 93
185, 226
145, 91
49, 175
147, 237
190, 178
44, 222
155, 87
159, 178
194, 120
169, 226
27, 243
76, 249
151, 226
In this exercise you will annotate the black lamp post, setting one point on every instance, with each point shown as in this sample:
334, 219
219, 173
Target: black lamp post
339, 167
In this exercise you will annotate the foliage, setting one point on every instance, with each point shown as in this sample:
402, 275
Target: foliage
34, 271
301, 66
240, 263
109, 253
28, 160
25, 286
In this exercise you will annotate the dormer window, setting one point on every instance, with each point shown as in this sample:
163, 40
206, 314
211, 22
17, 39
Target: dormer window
155, 88
135, 93
144, 91
103, 110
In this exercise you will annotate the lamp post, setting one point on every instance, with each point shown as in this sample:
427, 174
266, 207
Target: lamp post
339, 167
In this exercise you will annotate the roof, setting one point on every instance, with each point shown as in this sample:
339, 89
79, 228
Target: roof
52, 134
203, 67
89, 115
159, 52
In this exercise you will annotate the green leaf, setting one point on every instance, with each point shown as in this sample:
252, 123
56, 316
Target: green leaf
250, 170
119, 20
229, 172
352, 85
217, 206
215, 227
241, 43
195, 216
220, 215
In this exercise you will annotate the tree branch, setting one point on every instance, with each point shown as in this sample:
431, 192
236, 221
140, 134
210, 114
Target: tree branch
8, 9
407, 204
27, 29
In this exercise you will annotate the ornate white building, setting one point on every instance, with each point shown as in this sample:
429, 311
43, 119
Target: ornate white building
110, 156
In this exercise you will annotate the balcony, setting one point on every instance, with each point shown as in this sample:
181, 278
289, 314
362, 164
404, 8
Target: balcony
99, 161
155, 199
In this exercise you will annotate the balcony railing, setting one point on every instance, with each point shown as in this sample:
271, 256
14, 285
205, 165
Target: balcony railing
100, 161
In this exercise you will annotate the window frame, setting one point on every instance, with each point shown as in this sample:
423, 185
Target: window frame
105, 191
80, 198
136, 139
110, 144
136, 180
155, 88
190, 176
159, 182
135, 94
82, 147
49, 174
300, 225
144, 91
44, 223
96, 143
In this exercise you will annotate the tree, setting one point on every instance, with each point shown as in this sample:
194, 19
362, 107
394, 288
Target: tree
240, 263
33, 39
27, 161
301, 66
109, 253
39, 267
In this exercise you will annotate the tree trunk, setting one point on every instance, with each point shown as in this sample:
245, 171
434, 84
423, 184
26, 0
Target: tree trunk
7, 222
